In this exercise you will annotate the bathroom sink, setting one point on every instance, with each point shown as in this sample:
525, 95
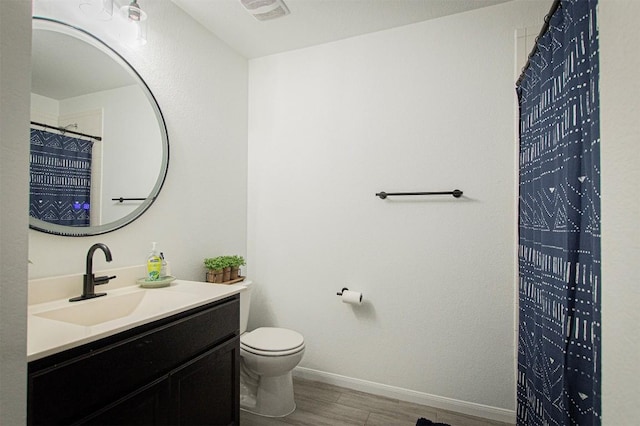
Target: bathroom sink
111, 307
55, 324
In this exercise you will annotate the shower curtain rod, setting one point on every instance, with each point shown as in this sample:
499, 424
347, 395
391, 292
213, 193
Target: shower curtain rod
556, 4
63, 130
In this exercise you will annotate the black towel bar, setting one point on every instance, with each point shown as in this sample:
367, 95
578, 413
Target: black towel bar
456, 193
121, 199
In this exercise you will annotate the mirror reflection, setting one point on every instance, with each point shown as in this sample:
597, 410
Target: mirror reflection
99, 148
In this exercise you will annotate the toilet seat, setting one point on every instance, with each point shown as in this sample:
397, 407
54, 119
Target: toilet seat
272, 341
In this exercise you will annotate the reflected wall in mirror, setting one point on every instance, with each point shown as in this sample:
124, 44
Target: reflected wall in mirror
97, 134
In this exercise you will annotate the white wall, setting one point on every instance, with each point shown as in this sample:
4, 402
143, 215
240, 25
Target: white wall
44, 110
15, 71
620, 132
201, 87
426, 107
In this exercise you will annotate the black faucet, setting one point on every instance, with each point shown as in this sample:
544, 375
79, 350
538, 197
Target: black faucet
90, 280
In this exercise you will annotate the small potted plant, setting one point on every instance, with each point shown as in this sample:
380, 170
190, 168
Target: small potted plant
215, 269
236, 263
226, 268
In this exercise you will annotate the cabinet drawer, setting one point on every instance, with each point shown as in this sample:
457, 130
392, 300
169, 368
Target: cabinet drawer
74, 388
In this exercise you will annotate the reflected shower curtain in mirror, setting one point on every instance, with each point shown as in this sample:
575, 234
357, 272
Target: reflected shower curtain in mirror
60, 178
559, 352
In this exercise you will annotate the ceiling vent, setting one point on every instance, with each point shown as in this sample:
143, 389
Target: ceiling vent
264, 10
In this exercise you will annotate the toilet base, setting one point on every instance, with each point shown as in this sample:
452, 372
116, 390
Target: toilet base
274, 397
248, 410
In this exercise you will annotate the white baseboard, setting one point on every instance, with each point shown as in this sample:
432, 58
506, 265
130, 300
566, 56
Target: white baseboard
463, 407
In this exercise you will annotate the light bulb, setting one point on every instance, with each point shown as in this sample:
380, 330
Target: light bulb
133, 12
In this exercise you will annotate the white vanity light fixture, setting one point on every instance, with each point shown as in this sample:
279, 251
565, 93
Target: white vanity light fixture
130, 24
133, 12
101, 10
140, 37
264, 10
137, 17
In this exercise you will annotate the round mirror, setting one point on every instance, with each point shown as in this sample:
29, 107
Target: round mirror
99, 144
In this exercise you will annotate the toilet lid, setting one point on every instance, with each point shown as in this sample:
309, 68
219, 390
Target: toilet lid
272, 339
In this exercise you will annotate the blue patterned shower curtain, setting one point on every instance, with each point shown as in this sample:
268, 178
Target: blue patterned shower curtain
559, 352
60, 181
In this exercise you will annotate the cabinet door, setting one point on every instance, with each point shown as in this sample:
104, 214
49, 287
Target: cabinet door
74, 384
206, 391
147, 406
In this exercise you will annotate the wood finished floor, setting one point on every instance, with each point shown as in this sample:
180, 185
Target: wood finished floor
320, 404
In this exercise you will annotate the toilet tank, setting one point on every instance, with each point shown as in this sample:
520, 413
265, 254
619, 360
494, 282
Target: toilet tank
245, 304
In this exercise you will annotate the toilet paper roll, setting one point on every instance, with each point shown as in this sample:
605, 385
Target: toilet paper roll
351, 297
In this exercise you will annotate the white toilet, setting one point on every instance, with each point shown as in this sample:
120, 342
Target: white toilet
267, 356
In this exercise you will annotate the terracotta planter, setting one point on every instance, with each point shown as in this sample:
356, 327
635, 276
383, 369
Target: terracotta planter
235, 272
215, 276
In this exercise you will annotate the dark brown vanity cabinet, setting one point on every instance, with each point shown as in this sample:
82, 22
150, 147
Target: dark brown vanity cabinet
181, 370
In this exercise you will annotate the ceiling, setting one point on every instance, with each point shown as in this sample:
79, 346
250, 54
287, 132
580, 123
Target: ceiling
64, 67
313, 22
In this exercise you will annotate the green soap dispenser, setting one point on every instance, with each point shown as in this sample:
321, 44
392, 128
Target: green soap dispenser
154, 264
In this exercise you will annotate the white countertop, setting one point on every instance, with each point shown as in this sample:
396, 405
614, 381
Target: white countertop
47, 336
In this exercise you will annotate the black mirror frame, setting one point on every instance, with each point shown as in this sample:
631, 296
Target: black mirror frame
71, 231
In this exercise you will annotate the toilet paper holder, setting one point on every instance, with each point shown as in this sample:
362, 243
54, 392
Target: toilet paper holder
340, 292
